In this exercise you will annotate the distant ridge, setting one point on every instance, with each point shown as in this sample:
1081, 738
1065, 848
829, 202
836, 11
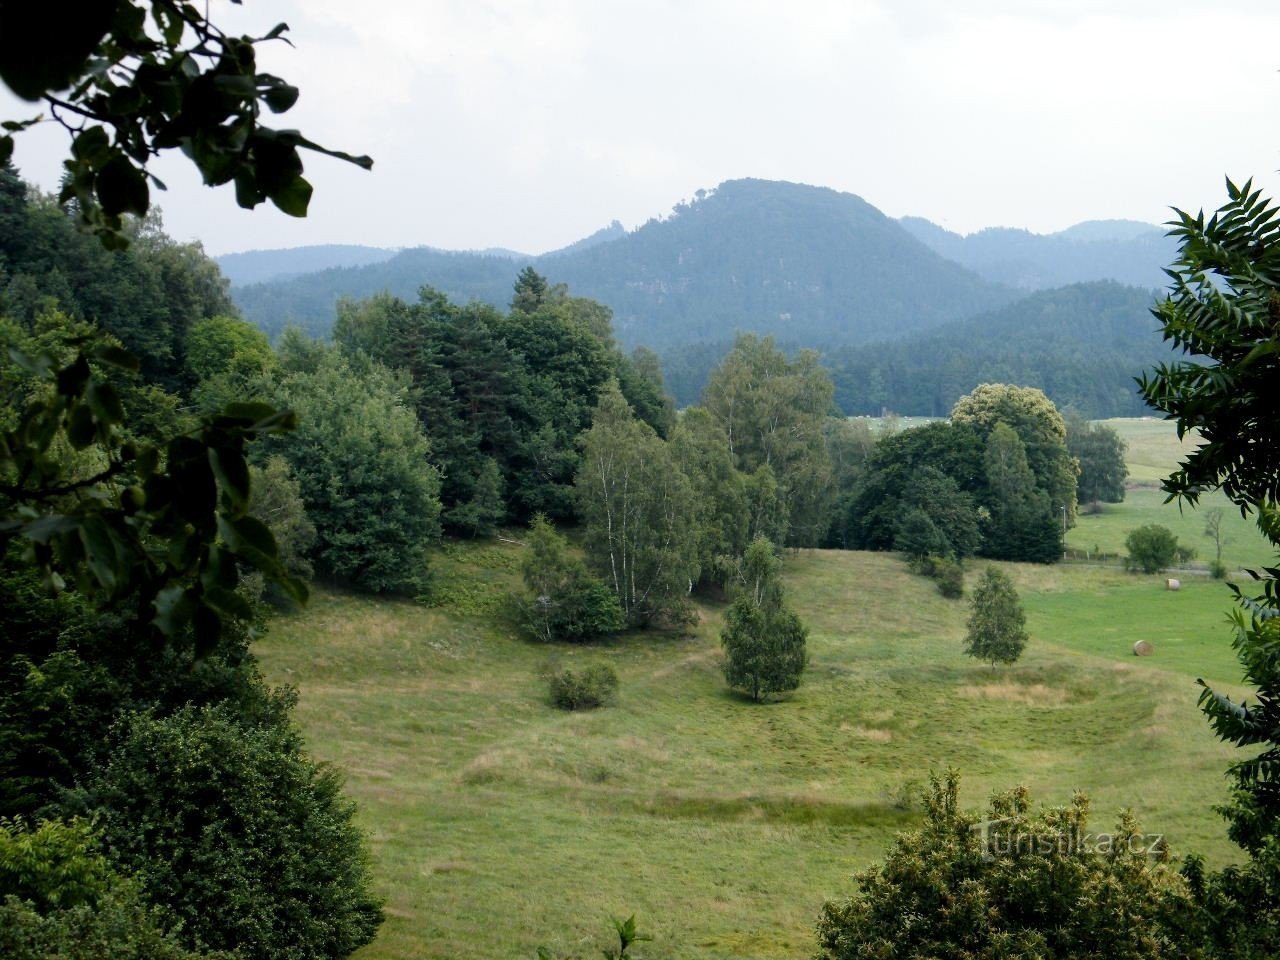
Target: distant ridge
1126, 251
260, 266
751, 255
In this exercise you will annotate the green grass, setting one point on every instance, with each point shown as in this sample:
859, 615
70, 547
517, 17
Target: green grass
1153, 452
499, 823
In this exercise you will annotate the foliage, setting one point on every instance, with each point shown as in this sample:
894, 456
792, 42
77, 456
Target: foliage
1100, 453
1151, 548
229, 360
1022, 521
127, 90
564, 601
996, 630
764, 641
1039, 426
277, 501
360, 460
97, 529
774, 411
64, 899
932, 472
700, 448
638, 514
273, 868
1012, 885
585, 689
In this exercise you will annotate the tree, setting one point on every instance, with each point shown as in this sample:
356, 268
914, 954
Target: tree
1038, 425
1213, 530
1151, 548
1221, 308
997, 625
700, 449
273, 868
1013, 884
564, 601
639, 514
773, 411
1100, 452
1023, 525
764, 642
361, 461
127, 90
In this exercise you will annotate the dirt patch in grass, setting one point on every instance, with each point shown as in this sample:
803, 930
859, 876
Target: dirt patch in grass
867, 733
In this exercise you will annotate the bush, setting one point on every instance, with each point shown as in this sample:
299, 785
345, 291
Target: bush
949, 576
1011, 885
586, 689
1151, 548
564, 601
1217, 569
233, 832
64, 900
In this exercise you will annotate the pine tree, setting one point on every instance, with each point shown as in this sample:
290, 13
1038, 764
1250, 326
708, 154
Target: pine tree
997, 624
764, 642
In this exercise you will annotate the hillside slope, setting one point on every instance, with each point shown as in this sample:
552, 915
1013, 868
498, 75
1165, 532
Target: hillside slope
1082, 344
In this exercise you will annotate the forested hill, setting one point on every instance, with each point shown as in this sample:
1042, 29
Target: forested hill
1082, 344
260, 266
1122, 250
820, 267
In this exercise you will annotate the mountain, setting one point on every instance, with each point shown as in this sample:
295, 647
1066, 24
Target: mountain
823, 267
258, 266
614, 231
1126, 251
1082, 344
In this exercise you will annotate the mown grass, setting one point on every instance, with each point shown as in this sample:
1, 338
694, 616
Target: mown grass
499, 823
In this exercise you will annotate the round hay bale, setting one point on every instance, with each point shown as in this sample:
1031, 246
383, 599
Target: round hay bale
1143, 648
1172, 584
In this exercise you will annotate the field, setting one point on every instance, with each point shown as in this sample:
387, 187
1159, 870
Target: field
1153, 449
498, 823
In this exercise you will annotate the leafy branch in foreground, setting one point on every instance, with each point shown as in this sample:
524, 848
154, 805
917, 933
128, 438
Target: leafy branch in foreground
129, 80
161, 529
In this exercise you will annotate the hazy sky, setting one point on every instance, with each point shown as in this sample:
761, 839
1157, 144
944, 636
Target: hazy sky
531, 123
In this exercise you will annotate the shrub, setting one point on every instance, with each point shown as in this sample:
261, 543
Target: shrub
64, 900
586, 689
235, 833
1217, 569
1009, 886
1151, 548
949, 576
564, 601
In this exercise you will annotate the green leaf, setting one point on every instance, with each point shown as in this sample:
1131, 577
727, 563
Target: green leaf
105, 402
93, 146
100, 551
293, 197
281, 97
232, 471
122, 188
174, 607
115, 356
81, 428
6, 149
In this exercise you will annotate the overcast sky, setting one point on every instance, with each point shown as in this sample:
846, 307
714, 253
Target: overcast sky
531, 123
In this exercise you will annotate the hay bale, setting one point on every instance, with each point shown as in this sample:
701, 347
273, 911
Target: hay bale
1172, 584
1143, 648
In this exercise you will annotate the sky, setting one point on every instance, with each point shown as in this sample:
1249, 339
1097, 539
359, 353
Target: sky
528, 124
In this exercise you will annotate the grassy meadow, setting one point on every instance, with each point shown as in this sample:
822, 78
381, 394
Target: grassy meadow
498, 823
1153, 450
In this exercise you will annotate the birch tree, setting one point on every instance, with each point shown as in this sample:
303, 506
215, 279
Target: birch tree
639, 512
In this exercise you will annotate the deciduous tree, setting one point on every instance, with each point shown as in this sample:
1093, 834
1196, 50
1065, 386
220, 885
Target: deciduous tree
997, 625
764, 641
